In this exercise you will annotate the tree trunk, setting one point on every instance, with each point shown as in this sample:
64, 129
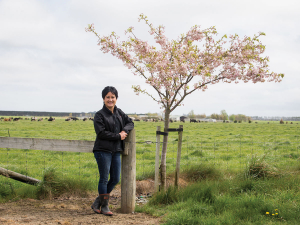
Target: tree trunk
163, 166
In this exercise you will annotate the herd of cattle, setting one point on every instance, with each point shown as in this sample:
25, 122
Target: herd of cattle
160, 119
41, 119
91, 118
84, 119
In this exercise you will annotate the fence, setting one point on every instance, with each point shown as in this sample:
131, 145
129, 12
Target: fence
230, 152
128, 186
226, 153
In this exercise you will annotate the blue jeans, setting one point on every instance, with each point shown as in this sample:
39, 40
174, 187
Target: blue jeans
108, 164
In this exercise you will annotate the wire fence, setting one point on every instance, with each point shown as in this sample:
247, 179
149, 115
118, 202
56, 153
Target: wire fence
227, 153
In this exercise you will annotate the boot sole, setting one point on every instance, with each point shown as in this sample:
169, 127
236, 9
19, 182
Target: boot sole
106, 214
95, 210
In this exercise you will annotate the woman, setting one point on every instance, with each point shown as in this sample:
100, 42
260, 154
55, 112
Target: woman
112, 126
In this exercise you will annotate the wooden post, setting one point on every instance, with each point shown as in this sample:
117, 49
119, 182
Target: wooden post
128, 175
178, 156
156, 178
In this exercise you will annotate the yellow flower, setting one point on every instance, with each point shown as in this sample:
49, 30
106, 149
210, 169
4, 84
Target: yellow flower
276, 213
273, 214
267, 213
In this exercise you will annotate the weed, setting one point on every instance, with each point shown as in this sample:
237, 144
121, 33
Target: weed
259, 168
165, 197
199, 172
53, 186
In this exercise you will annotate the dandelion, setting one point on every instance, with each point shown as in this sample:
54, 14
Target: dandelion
276, 213
267, 213
273, 214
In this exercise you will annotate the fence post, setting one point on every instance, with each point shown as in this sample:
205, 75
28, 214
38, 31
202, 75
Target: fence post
156, 179
128, 174
178, 156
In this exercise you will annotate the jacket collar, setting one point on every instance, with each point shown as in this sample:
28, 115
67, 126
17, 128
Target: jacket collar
108, 111
115, 112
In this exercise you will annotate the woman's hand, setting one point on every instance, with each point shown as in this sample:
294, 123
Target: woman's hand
123, 135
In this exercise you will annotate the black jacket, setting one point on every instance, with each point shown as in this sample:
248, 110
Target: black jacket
104, 124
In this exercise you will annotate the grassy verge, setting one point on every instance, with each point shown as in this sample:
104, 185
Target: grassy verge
240, 200
52, 185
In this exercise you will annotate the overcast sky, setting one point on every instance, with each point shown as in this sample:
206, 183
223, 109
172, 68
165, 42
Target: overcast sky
49, 63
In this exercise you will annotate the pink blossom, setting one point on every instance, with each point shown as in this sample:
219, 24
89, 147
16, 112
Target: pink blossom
171, 67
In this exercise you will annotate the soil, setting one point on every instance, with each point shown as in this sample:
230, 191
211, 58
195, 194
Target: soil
69, 210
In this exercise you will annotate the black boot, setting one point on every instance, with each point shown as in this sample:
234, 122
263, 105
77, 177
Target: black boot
96, 205
104, 198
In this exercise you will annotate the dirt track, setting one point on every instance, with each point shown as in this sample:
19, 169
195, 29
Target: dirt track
66, 211
73, 210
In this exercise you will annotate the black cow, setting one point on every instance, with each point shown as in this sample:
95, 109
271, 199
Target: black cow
193, 121
51, 119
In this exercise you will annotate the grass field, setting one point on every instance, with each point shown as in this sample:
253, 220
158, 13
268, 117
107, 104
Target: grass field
243, 173
228, 146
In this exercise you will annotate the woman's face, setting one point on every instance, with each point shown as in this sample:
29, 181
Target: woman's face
110, 101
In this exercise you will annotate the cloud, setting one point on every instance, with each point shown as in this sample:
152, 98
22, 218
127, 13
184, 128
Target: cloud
49, 63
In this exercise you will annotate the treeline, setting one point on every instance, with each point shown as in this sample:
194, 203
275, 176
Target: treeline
222, 116
239, 117
192, 115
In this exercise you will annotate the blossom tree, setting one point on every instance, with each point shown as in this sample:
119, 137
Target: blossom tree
177, 68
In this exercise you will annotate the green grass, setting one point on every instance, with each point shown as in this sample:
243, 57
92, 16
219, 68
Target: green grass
230, 201
226, 146
238, 171
52, 185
